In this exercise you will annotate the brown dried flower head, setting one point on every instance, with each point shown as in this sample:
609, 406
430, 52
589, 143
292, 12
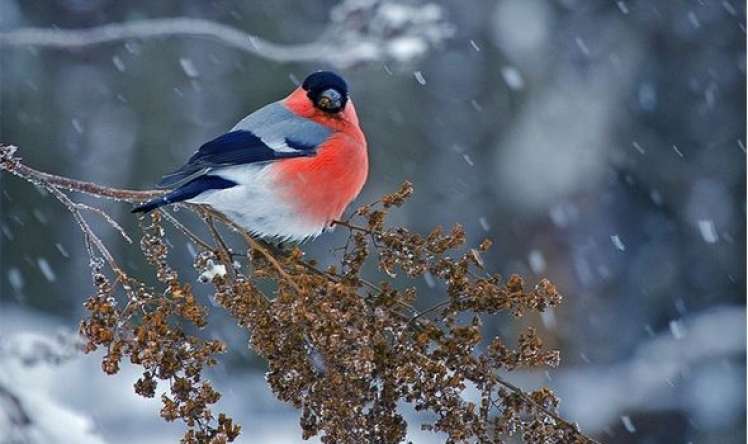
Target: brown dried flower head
345, 351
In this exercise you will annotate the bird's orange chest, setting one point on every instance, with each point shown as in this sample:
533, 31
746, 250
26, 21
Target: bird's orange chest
322, 186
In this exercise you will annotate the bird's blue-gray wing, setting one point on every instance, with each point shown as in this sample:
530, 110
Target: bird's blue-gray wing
283, 130
271, 133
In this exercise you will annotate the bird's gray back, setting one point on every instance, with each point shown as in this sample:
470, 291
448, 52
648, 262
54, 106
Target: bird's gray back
276, 125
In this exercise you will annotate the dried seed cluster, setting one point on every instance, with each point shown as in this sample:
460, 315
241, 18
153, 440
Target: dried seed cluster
344, 351
150, 330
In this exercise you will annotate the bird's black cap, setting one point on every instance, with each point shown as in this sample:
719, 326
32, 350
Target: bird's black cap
320, 81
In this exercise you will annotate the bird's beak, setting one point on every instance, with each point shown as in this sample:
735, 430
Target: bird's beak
330, 99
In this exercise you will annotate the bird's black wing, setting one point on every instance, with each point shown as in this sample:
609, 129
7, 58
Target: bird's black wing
233, 148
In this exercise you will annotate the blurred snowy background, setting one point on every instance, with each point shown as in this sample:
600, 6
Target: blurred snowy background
599, 143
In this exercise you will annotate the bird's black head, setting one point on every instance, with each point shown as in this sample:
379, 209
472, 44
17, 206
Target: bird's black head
327, 91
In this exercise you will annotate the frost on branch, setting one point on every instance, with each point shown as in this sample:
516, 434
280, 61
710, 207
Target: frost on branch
345, 351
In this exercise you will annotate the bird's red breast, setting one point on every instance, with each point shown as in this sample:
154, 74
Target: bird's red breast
322, 186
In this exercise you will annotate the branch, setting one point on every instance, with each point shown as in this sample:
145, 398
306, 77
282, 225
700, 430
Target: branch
253, 244
53, 184
290, 274
88, 233
109, 219
224, 252
521, 393
142, 29
10, 163
186, 231
358, 32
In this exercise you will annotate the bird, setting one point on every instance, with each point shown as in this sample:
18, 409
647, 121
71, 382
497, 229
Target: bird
285, 172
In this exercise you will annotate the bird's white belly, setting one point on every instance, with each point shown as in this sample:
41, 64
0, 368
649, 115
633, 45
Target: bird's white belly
256, 205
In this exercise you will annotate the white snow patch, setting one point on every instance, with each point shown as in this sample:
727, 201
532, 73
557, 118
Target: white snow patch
628, 424
395, 15
191, 249
582, 46
513, 78
188, 67
406, 48
708, 232
46, 270
729, 8
429, 278
656, 197
678, 151
537, 261
77, 126
419, 77
212, 271
118, 63
676, 328
15, 278
62, 250
617, 242
548, 317
694, 20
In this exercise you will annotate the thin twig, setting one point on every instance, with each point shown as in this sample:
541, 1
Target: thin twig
371, 235
223, 249
351, 227
255, 245
189, 234
525, 397
53, 185
429, 310
87, 231
117, 227
13, 165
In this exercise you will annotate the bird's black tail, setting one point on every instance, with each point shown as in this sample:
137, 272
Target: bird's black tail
151, 205
186, 191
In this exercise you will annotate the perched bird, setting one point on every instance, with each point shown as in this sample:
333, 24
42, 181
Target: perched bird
285, 171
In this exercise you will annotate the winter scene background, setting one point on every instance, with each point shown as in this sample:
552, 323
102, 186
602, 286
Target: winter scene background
600, 144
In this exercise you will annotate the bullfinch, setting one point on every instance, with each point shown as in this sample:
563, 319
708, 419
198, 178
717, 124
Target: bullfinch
284, 172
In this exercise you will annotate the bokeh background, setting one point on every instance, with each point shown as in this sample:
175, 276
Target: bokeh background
599, 143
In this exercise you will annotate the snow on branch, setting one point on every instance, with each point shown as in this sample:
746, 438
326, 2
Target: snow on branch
359, 31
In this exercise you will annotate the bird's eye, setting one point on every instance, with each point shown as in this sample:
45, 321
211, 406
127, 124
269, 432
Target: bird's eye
325, 102
330, 101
